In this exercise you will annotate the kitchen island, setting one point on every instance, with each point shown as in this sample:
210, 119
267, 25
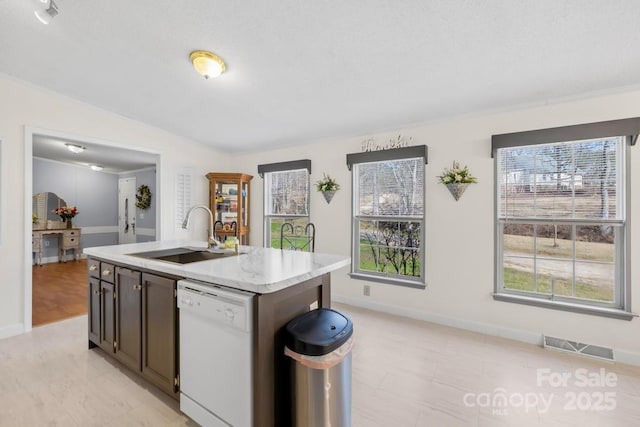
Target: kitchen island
133, 314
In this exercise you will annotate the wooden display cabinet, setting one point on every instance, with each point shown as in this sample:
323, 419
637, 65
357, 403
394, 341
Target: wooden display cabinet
229, 202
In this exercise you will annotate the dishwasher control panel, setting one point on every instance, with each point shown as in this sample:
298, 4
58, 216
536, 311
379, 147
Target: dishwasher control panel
217, 304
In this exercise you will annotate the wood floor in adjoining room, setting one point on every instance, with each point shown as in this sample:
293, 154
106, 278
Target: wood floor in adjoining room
59, 291
405, 373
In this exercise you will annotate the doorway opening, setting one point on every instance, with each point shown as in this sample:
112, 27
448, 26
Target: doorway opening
50, 167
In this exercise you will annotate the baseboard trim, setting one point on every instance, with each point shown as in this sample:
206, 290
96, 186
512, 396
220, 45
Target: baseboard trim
54, 259
621, 356
150, 232
11, 330
106, 229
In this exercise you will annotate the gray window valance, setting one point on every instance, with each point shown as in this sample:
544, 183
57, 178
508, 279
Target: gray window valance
391, 154
284, 166
623, 127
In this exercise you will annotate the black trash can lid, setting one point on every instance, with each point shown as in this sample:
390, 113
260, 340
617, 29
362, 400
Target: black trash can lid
318, 332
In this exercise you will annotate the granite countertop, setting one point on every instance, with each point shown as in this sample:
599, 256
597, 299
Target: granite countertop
259, 270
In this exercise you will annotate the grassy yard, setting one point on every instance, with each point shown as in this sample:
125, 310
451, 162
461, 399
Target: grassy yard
587, 251
521, 280
290, 240
367, 263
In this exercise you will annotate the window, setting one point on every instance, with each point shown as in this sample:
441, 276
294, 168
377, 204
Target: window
388, 215
562, 222
286, 197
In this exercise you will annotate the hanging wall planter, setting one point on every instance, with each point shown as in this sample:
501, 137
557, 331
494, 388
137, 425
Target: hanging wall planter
457, 190
457, 179
328, 187
328, 195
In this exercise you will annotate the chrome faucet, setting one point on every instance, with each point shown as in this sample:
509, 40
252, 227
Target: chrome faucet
185, 224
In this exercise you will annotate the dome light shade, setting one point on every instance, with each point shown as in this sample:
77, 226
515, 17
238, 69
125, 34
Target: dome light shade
207, 64
46, 15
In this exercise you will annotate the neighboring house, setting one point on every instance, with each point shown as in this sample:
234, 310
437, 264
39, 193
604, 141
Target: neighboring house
522, 181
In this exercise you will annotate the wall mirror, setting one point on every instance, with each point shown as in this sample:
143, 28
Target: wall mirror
43, 205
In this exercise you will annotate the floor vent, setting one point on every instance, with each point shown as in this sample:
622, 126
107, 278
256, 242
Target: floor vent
560, 344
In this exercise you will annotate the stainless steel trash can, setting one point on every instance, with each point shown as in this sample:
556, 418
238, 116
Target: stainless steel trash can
320, 342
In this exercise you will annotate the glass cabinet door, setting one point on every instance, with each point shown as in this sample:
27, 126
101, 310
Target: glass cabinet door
226, 202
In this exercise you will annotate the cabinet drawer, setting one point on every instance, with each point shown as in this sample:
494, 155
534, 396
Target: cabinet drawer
71, 233
94, 268
107, 272
70, 242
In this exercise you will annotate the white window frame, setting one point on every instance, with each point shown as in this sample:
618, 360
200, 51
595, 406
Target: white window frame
353, 160
266, 172
620, 308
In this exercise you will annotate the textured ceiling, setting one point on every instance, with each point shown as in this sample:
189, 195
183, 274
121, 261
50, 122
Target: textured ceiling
299, 71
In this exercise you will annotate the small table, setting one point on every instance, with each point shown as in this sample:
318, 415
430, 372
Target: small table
68, 239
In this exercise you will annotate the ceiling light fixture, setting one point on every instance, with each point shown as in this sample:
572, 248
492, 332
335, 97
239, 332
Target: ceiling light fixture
46, 15
96, 168
75, 148
207, 64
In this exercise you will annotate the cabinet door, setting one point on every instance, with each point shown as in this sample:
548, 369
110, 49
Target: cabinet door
128, 317
107, 316
159, 326
94, 310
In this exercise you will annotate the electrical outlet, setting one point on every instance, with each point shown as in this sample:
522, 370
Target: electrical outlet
366, 290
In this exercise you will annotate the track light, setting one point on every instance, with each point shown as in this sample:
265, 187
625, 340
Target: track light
46, 15
75, 148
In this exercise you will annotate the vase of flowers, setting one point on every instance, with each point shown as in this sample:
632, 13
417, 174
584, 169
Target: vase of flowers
66, 213
457, 179
328, 187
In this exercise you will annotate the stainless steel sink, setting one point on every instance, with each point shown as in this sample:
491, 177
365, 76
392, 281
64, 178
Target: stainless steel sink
185, 255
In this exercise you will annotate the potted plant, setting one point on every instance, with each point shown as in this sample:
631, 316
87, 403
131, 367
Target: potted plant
457, 179
328, 187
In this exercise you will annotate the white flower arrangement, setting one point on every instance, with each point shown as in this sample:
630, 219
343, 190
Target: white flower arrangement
327, 184
457, 175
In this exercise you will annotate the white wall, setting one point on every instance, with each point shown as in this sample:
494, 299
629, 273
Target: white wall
24, 105
459, 235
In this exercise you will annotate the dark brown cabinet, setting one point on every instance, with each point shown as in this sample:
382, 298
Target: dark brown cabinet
159, 331
101, 305
133, 316
94, 309
107, 316
128, 348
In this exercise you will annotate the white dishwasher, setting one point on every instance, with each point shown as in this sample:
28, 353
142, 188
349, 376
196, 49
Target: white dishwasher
216, 381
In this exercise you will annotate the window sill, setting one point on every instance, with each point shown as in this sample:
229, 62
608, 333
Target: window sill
388, 280
566, 306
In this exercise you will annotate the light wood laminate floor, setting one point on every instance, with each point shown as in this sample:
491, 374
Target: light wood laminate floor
405, 373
